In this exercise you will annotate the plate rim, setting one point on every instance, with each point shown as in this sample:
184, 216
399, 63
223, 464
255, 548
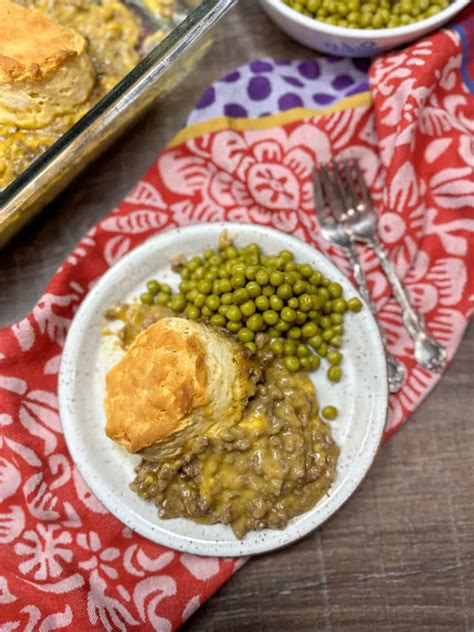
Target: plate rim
191, 544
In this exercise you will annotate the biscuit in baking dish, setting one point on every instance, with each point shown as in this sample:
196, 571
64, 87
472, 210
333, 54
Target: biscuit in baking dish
177, 380
45, 70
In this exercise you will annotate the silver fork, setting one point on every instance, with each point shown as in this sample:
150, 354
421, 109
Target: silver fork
325, 202
359, 221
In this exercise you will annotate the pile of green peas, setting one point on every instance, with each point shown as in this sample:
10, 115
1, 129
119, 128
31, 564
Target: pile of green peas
368, 14
247, 292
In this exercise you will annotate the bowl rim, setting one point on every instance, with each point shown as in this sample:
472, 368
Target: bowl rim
378, 34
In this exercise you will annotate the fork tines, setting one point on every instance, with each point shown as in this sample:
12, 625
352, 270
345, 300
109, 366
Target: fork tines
340, 185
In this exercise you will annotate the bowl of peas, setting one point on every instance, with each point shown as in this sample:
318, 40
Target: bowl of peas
359, 28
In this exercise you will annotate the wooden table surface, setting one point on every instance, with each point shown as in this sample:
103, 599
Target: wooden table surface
399, 556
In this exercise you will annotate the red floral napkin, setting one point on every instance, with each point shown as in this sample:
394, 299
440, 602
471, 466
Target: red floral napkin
65, 562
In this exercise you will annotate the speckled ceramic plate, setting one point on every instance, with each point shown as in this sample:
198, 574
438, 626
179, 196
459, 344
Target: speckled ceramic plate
361, 396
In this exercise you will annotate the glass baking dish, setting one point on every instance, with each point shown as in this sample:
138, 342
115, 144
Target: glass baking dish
156, 74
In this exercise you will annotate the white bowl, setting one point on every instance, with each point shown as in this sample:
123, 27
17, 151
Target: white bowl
338, 40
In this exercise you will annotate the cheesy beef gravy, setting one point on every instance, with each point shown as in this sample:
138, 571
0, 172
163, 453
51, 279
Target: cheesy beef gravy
276, 463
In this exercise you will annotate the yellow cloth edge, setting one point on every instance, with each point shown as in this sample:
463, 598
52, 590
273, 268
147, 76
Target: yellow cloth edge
266, 122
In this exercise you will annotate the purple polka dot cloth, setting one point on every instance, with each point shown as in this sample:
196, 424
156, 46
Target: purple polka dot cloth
265, 86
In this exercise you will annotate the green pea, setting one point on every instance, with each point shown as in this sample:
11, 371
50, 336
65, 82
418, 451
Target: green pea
234, 314
223, 309
291, 278
289, 347
211, 275
336, 319
245, 335
262, 277
194, 264
227, 298
253, 289
185, 274
315, 341
184, 286
315, 362
238, 281
326, 282
205, 287
248, 308
305, 302
213, 302
286, 255
329, 412
306, 270
288, 315
270, 317
338, 329
318, 301
272, 332
276, 279
233, 326
225, 286
178, 303
251, 346
241, 295
305, 363
255, 322
276, 303
162, 298
309, 330
334, 373
191, 295
192, 312
315, 278
323, 292
301, 317
290, 266
336, 341
206, 311
276, 347
294, 333
153, 286
293, 303
325, 322
268, 291
208, 254
334, 357
291, 363
339, 305
300, 287
354, 304
323, 349
327, 334
146, 298
285, 291
335, 289
262, 303
218, 320
216, 287
314, 315
302, 351
281, 326
199, 300
230, 252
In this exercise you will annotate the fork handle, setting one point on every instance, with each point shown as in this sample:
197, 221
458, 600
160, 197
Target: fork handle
428, 352
395, 370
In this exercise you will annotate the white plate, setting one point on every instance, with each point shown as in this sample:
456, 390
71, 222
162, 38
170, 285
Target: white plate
361, 396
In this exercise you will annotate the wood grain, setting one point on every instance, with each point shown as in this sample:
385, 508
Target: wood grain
399, 555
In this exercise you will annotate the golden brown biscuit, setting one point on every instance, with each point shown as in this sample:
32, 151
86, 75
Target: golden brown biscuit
177, 380
45, 71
